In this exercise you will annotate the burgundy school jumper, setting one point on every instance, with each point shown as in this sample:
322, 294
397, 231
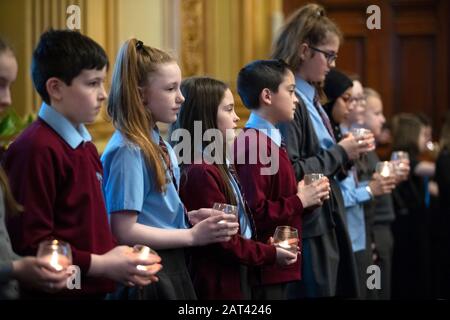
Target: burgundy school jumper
61, 191
215, 268
272, 198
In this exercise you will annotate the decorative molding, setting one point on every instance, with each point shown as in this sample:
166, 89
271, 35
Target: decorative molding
106, 33
171, 27
192, 37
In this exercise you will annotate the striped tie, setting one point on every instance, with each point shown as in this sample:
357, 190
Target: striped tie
324, 117
166, 158
247, 210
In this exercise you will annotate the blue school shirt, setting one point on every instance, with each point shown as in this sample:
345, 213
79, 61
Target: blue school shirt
307, 93
128, 185
257, 122
354, 195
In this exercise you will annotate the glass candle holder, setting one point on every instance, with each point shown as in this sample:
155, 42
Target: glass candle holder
286, 237
311, 177
385, 169
56, 252
226, 208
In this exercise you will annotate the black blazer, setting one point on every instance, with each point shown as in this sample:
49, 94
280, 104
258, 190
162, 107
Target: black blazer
308, 157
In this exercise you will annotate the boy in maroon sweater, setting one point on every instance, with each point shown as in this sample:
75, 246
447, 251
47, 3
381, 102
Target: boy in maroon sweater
56, 174
266, 87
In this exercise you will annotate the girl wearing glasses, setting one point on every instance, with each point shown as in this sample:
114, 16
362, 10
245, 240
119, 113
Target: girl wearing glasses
309, 42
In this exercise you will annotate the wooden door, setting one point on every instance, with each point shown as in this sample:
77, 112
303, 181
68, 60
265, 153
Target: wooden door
407, 60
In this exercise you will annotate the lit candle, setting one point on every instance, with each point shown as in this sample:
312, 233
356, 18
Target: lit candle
290, 245
284, 244
385, 169
143, 253
57, 253
385, 172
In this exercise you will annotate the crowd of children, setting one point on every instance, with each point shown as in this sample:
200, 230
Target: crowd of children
146, 191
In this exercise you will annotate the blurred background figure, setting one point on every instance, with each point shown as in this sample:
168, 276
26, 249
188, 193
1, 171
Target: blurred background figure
379, 213
442, 235
358, 191
411, 261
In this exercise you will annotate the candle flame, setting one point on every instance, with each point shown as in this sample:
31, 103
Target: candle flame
385, 172
54, 261
143, 254
284, 244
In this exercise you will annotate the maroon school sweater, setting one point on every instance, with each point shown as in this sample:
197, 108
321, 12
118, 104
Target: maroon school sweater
61, 191
272, 198
215, 268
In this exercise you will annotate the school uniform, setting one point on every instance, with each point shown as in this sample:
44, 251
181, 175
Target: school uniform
442, 235
129, 186
271, 195
328, 263
216, 268
55, 173
379, 215
411, 268
355, 195
9, 288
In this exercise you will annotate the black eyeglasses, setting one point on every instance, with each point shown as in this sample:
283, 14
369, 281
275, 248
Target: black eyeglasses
330, 56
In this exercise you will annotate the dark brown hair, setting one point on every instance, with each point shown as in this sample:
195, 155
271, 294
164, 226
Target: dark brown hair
406, 129
203, 96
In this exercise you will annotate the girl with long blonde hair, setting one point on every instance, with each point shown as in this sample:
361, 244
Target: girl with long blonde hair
141, 174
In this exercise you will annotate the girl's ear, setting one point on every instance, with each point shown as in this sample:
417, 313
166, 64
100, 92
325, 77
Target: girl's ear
54, 88
303, 51
266, 96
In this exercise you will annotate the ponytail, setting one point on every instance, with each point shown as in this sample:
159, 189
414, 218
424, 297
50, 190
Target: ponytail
134, 64
309, 24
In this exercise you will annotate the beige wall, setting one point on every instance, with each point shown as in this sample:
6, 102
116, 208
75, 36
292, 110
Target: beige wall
218, 37
109, 22
141, 19
213, 37
13, 17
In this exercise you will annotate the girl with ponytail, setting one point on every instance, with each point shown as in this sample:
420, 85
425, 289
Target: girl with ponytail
141, 174
309, 43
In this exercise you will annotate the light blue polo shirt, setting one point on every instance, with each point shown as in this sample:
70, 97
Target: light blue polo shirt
354, 195
307, 93
255, 121
128, 185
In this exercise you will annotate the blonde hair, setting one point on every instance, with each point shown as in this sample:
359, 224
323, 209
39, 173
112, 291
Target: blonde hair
134, 65
369, 92
309, 24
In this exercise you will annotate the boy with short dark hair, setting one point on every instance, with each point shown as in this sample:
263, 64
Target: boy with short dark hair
55, 171
267, 88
